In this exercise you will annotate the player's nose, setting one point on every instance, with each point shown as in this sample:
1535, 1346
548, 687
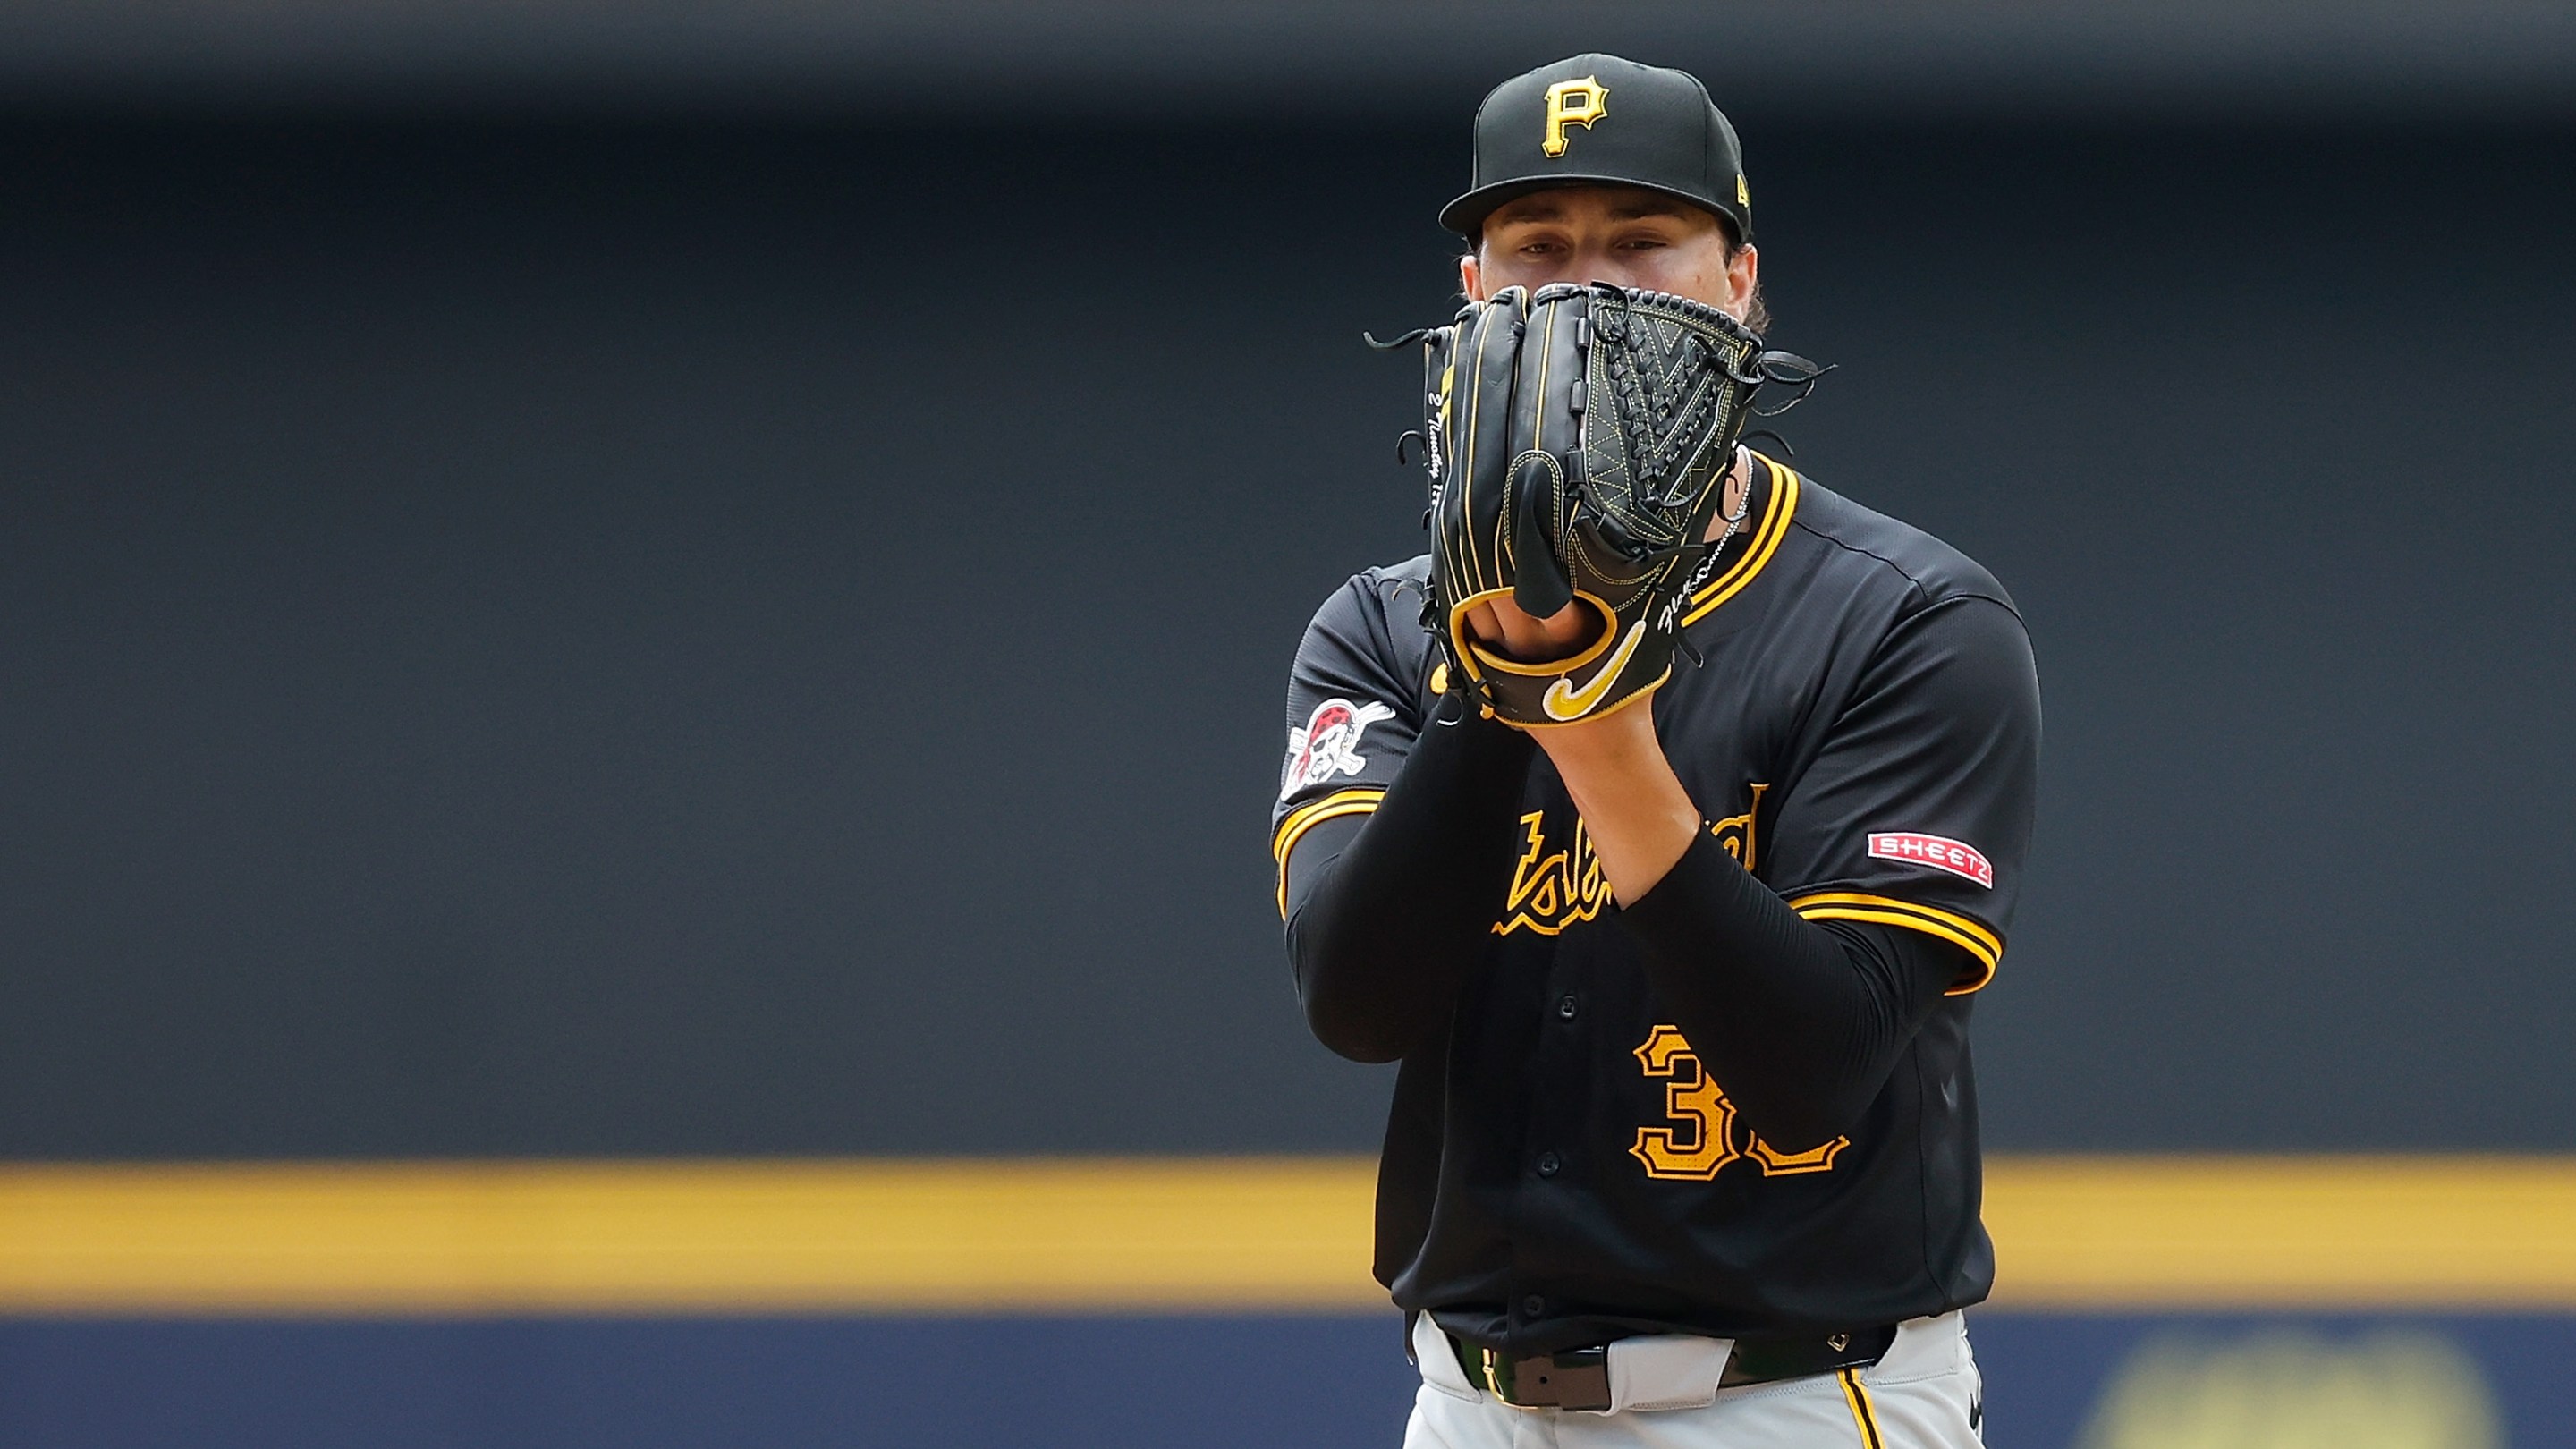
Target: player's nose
1607, 269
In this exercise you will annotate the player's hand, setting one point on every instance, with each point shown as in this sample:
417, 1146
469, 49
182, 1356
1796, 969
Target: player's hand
1533, 641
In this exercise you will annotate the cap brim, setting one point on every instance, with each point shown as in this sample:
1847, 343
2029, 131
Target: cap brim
1466, 215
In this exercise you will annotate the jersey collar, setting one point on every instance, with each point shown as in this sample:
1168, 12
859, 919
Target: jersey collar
1775, 503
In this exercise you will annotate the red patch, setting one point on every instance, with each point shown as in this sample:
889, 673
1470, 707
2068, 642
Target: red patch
1937, 851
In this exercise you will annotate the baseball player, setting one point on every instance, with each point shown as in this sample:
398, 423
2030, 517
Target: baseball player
1662, 821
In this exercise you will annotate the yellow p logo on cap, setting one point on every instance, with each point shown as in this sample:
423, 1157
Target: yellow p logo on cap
1571, 103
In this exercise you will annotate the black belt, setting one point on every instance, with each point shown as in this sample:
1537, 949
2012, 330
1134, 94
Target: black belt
1579, 1378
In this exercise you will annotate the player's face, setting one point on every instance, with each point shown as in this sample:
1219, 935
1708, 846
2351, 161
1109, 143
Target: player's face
1622, 234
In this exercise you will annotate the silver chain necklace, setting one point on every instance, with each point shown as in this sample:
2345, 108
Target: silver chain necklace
1735, 521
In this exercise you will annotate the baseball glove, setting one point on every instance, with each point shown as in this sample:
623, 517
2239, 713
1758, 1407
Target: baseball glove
1578, 442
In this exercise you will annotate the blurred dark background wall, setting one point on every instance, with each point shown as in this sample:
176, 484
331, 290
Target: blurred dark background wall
721, 628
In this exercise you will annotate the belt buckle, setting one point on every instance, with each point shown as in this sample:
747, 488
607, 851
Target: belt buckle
1490, 1362
1574, 1379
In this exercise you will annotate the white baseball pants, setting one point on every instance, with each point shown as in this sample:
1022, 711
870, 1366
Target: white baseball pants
1925, 1394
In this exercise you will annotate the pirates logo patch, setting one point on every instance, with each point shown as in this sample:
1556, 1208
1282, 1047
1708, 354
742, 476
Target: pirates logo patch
1329, 745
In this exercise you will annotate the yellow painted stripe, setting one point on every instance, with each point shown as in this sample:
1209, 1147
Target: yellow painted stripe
2083, 1232
1241, 1234
713, 1236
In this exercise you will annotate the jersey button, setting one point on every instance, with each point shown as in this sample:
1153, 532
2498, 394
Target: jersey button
1533, 1306
1566, 1007
1548, 1164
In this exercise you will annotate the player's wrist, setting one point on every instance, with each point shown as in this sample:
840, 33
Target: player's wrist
1619, 741
1638, 815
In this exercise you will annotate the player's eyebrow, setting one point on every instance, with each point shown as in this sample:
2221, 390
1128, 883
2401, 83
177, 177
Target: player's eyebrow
1637, 210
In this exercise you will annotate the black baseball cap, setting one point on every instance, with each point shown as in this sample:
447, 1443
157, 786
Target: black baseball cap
1601, 119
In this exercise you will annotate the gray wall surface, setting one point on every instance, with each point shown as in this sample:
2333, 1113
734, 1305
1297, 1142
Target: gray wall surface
1293, 60
621, 638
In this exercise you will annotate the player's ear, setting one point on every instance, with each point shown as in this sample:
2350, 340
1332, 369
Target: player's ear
1471, 278
1743, 279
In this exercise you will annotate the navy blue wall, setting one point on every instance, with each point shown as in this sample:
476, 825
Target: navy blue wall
643, 638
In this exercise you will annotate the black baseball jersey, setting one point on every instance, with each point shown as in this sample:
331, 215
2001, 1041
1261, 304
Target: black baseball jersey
1863, 737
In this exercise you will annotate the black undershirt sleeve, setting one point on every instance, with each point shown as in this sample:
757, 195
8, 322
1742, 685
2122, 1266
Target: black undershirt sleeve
1800, 1021
1387, 912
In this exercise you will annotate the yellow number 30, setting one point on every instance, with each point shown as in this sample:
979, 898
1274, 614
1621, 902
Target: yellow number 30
1702, 1137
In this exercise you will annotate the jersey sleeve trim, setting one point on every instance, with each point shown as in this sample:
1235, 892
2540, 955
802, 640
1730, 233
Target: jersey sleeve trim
1309, 815
1766, 542
1982, 944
